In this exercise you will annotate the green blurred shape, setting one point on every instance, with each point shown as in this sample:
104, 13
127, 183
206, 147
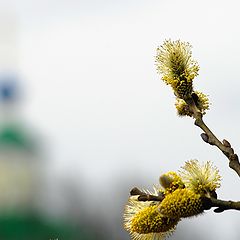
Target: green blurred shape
32, 227
14, 136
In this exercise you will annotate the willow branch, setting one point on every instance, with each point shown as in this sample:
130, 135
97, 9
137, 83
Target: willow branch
209, 137
221, 205
208, 203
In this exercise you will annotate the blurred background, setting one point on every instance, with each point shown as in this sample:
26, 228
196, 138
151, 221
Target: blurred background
84, 116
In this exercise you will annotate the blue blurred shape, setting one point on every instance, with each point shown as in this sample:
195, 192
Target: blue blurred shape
8, 88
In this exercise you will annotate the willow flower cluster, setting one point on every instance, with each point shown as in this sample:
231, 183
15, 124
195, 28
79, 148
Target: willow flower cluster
183, 195
178, 69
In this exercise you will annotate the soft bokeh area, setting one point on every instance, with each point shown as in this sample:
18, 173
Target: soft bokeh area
84, 117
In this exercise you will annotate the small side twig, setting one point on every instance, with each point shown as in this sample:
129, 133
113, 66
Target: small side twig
145, 196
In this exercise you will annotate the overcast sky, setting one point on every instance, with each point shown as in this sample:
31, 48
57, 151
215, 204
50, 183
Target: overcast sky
93, 93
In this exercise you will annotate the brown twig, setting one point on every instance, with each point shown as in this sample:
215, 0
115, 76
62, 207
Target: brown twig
210, 138
145, 196
208, 202
221, 205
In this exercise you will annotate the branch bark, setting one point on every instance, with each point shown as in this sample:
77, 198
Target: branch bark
221, 205
209, 137
208, 203
142, 196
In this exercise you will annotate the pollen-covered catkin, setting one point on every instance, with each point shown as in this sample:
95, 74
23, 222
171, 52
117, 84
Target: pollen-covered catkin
200, 178
174, 62
144, 221
151, 220
181, 203
170, 181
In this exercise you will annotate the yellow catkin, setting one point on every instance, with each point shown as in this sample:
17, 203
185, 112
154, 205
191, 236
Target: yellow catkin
200, 178
201, 101
174, 62
183, 108
150, 220
181, 203
171, 181
143, 221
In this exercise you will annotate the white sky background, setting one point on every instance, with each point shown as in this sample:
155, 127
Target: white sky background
93, 92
